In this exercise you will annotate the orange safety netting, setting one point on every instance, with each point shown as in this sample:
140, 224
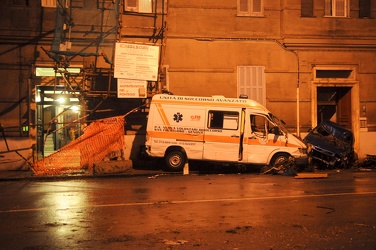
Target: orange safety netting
100, 139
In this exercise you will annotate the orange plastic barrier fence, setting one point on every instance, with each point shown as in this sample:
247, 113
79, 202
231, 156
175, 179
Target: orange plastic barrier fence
100, 139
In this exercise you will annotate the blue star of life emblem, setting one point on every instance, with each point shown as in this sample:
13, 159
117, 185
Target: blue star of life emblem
178, 117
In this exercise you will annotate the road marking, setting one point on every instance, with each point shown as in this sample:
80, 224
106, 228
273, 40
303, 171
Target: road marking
186, 202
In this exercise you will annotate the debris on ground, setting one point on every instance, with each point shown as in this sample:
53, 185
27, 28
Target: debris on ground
112, 167
311, 175
285, 167
369, 162
331, 210
175, 242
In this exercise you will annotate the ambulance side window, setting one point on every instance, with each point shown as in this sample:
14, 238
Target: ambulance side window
259, 124
223, 120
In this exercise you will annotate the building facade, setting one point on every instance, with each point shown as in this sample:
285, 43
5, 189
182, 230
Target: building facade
305, 60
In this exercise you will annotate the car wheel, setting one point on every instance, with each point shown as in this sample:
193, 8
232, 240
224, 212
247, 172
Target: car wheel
279, 158
175, 160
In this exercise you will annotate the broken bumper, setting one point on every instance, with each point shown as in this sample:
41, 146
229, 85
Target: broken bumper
301, 161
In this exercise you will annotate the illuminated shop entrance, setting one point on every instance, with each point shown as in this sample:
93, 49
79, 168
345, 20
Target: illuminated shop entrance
57, 114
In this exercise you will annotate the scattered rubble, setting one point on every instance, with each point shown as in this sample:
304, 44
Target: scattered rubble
311, 175
369, 162
285, 167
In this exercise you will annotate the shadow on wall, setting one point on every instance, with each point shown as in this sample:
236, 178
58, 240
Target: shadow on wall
16, 153
134, 143
137, 140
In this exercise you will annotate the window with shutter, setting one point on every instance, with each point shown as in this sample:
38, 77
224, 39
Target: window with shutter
364, 8
256, 6
337, 8
131, 5
55, 3
49, 3
145, 6
306, 8
328, 7
142, 6
243, 6
251, 82
250, 7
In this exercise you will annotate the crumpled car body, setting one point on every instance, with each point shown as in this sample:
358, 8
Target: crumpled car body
331, 146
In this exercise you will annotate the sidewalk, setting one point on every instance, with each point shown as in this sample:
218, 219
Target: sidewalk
19, 175
9, 175
100, 169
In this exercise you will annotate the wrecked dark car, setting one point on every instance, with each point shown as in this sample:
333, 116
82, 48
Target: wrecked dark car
331, 146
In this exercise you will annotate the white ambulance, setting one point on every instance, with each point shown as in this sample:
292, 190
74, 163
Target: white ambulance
232, 130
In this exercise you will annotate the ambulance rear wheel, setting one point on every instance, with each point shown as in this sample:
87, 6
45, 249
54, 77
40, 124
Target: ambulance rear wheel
175, 160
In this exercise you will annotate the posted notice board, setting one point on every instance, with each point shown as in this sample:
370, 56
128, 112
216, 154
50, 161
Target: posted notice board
136, 61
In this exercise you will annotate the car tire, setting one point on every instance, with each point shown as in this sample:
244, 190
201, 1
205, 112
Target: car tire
278, 158
175, 160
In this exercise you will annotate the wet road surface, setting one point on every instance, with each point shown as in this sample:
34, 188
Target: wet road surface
215, 211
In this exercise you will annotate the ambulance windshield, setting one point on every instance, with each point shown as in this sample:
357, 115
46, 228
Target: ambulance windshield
279, 123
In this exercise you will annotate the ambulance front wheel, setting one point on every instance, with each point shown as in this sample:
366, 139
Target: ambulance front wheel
175, 160
279, 158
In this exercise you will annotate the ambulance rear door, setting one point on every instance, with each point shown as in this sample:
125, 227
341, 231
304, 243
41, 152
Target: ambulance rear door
179, 126
222, 139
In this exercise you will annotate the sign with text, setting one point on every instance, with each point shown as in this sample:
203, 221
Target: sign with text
136, 61
127, 88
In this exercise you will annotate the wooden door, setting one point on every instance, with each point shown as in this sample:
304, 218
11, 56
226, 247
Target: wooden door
344, 107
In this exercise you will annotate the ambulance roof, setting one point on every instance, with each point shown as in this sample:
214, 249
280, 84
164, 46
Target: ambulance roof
211, 101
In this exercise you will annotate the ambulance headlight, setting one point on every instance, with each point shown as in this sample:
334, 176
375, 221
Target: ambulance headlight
303, 150
309, 147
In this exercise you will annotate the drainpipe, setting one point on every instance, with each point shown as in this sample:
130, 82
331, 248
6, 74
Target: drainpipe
297, 109
297, 95
297, 86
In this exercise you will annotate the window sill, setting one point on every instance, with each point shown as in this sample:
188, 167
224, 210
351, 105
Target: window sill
243, 15
343, 17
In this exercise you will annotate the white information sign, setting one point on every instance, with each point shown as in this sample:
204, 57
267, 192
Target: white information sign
127, 88
136, 61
